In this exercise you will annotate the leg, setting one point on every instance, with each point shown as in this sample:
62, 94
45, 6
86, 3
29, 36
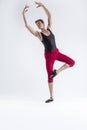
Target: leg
65, 66
68, 62
51, 93
51, 89
49, 68
63, 58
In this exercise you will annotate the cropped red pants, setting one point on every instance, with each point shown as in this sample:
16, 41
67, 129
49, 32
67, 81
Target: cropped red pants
51, 57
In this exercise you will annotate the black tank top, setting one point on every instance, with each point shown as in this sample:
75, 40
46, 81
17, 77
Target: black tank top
48, 41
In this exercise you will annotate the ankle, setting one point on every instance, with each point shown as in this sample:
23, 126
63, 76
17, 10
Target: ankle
58, 71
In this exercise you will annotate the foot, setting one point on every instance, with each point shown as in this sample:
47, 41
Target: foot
49, 100
53, 74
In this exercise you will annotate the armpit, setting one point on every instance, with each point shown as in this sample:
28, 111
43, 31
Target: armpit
39, 36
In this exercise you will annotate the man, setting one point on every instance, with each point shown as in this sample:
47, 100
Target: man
51, 51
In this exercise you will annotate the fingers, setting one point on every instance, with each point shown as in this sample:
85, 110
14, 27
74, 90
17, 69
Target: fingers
26, 7
38, 4
26, 10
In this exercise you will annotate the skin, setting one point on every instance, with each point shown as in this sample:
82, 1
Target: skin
44, 30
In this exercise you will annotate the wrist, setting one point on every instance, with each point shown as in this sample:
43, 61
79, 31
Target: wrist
23, 14
42, 5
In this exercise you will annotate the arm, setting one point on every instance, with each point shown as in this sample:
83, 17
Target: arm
35, 33
47, 13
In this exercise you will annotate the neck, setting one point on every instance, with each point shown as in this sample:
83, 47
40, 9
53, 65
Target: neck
43, 29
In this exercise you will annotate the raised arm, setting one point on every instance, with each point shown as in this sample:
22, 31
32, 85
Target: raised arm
35, 33
47, 13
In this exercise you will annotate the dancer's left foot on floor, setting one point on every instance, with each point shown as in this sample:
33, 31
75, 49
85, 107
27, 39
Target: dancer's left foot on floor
49, 100
53, 74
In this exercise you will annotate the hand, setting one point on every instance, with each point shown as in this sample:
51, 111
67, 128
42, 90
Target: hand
25, 9
38, 4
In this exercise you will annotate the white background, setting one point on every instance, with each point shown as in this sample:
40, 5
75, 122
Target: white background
23, 77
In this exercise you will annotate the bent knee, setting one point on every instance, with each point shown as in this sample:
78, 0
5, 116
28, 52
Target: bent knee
72, 63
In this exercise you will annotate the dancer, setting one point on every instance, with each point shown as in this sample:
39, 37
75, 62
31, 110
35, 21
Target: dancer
51, 52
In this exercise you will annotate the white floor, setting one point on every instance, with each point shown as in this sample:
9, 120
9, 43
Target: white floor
36, 115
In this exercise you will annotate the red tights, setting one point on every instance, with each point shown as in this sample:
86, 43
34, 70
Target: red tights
51, 57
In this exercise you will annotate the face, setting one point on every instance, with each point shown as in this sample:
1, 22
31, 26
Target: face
40, 25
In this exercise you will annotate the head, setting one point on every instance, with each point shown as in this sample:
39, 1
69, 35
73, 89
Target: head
40, 23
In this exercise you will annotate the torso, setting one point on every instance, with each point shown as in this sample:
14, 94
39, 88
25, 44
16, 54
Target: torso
48, 40
46, 32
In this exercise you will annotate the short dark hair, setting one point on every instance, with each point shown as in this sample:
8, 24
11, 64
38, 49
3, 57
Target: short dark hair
39, 20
